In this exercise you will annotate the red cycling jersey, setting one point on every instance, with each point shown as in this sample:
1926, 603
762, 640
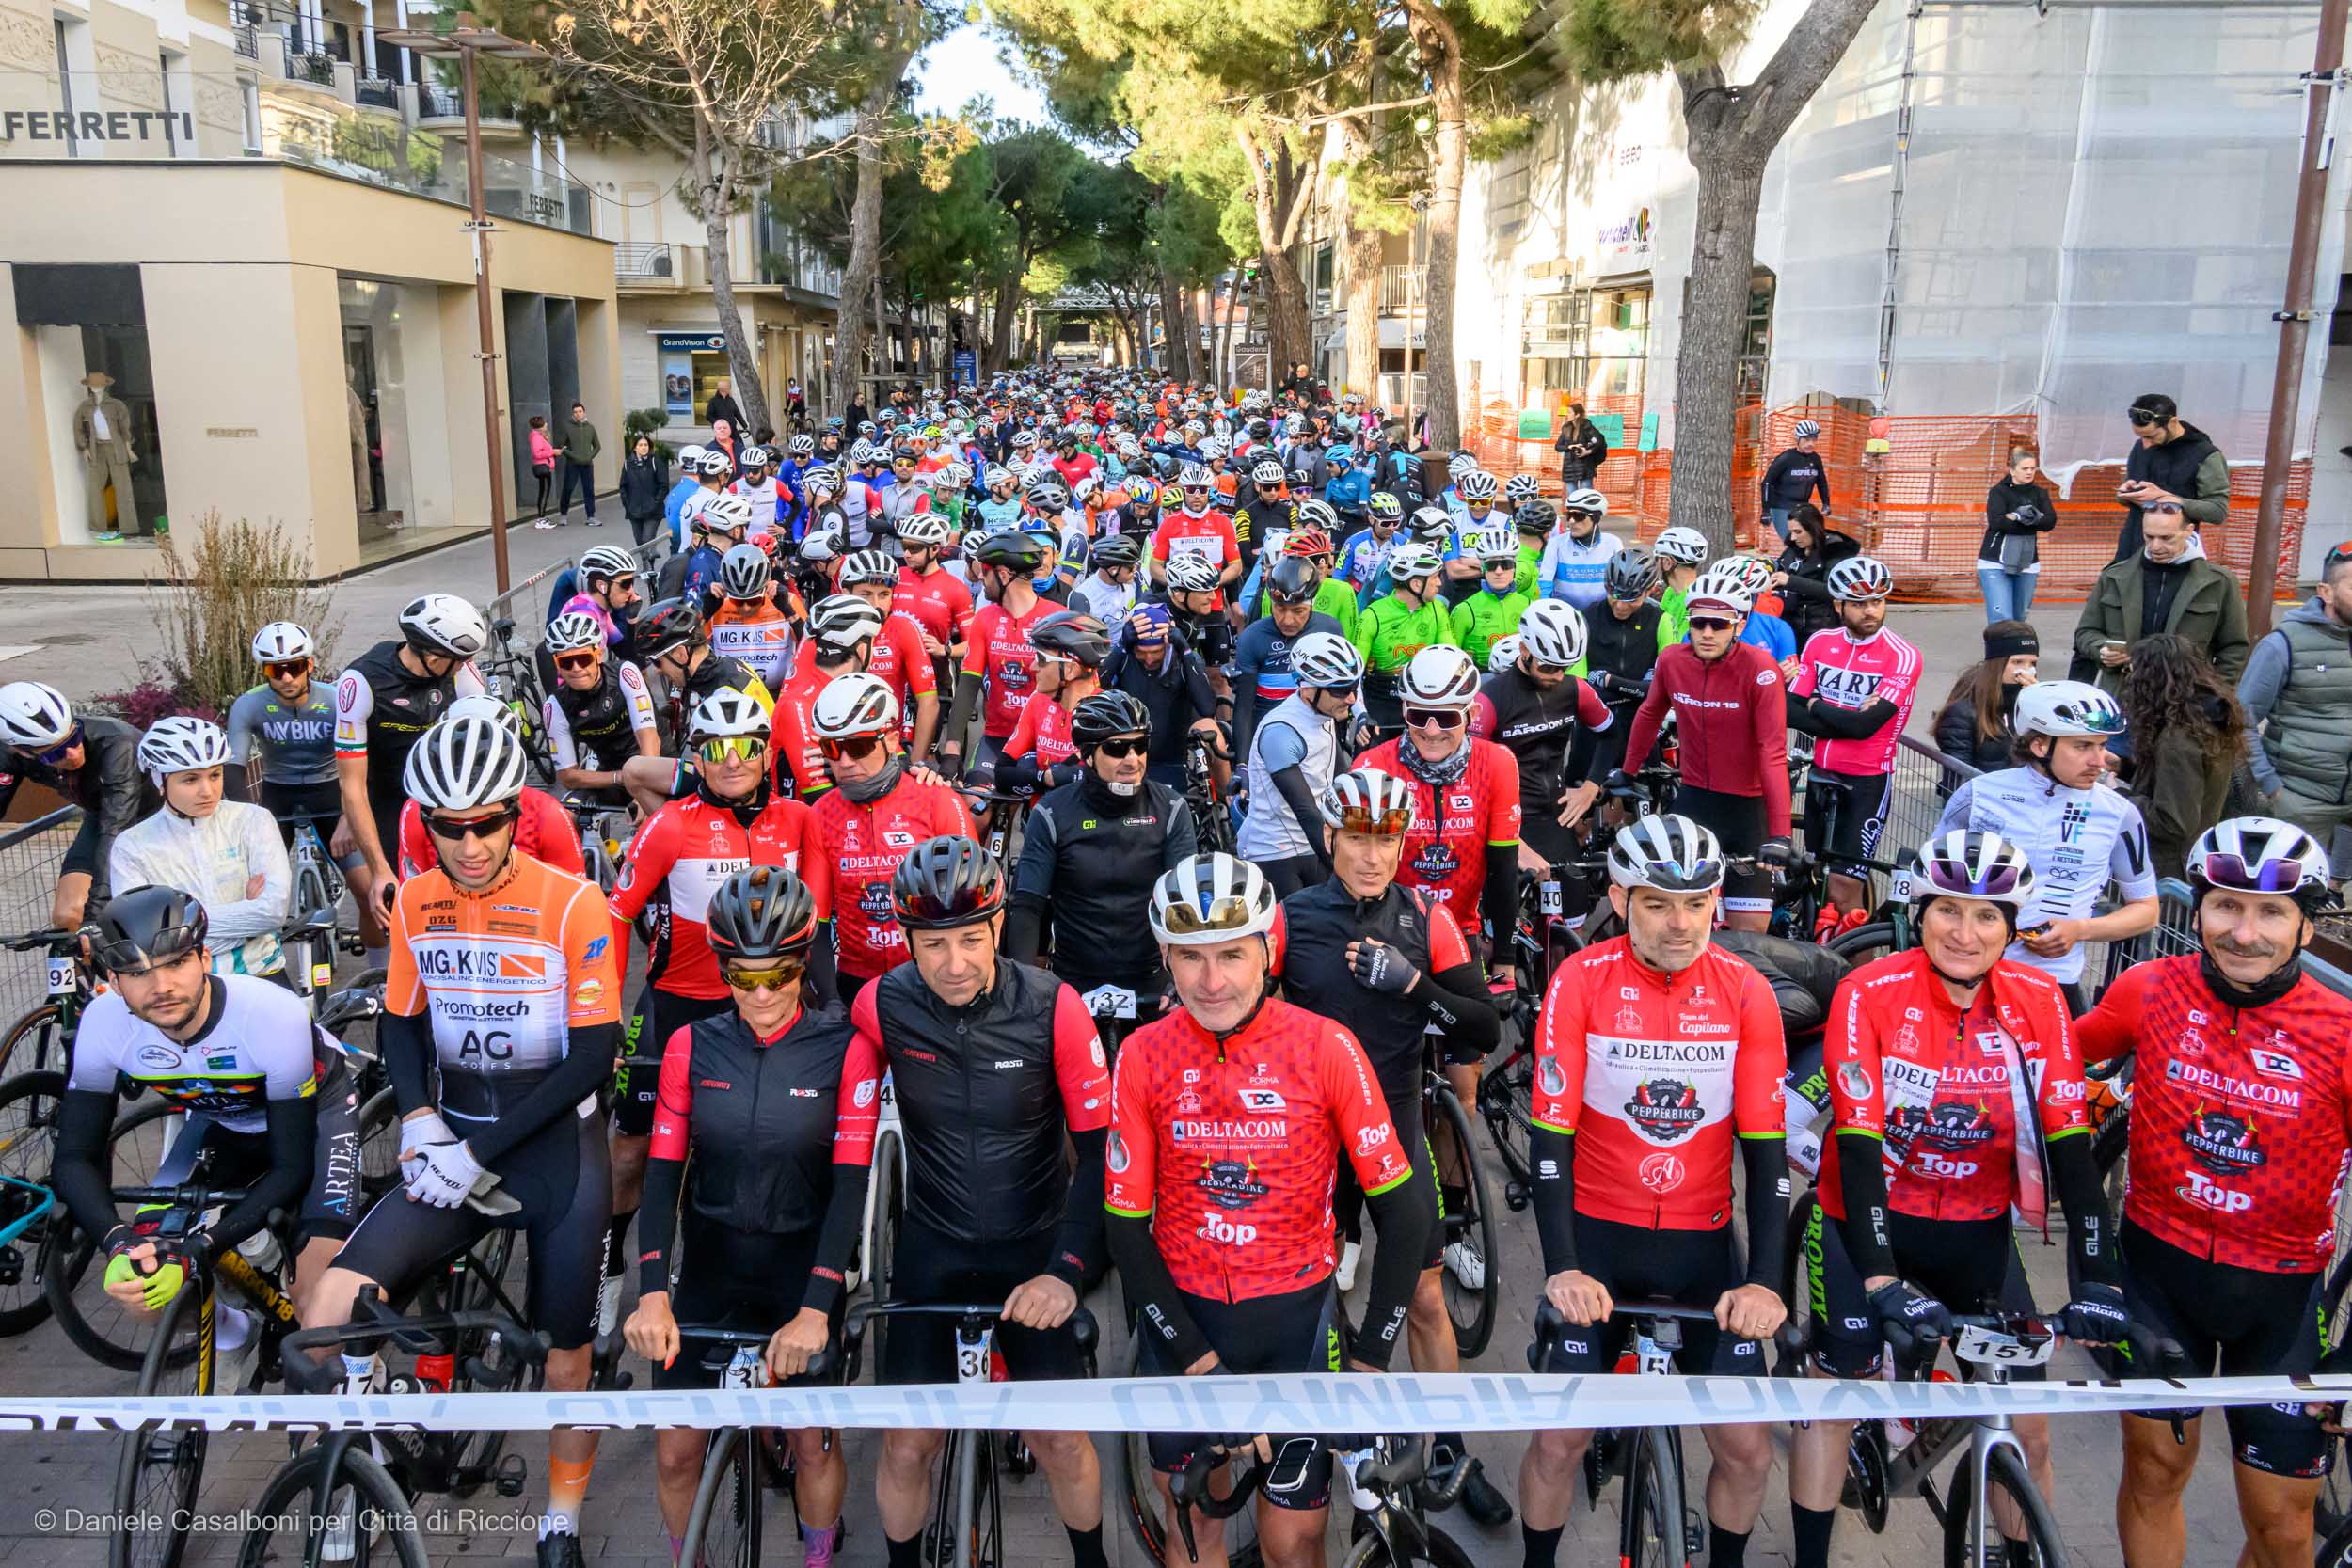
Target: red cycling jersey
1658, 1073
1947, 1092
1207, 535
794, 754
1455, 824
542, 831
1231, 1146
862, 846
1000, 655
899, 662
679, 858
1852, 674
1734, 724
939, 603
1044, 728
2240, 1120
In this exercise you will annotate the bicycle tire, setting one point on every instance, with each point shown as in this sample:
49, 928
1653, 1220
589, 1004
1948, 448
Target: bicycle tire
379, 1149
1472, 1312
1139, 1499
1795, 1270
1654, 1505
1869, 940
374, 1496
1371, 1550
41, 1030
90, 1318
28, 1142
161, 1469
722, 1529
2004, 1472
2336, 1550
1506, 1106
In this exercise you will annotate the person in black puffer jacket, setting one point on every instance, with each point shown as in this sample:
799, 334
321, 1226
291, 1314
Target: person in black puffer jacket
645, 486
1973, 725
2016, 514
1801, 575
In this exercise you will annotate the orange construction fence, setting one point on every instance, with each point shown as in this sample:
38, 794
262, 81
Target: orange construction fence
1917, 503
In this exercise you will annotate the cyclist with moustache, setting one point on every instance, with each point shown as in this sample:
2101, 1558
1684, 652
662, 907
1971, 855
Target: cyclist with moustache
288, 722
1658, 1052
2241, 1121
932, 596
1231, 1117
994, 1065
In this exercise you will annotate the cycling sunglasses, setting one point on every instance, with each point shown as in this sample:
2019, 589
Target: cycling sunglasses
1124, 746
1443, 718
584, 658
1293, 600
2144, 416
2270, 876
1543, 667
851, 748
1710, 622
285, 669
738, 748
454, 829
779, 974
1184, 918
55, 754
1387, 824
1347, 692
1500, 563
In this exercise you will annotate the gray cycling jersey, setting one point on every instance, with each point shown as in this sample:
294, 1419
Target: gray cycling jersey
296, 744
1291, 735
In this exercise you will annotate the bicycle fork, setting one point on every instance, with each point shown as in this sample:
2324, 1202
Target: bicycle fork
1986, 1545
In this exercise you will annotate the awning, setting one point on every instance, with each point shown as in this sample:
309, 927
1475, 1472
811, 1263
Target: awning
1392, 336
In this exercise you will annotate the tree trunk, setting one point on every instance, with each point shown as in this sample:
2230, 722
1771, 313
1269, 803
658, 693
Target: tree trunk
717, 191
865, 267
1004, 344
1176, 317
1221, 332
1361, 251
885, 362
1441, 58
1280, 190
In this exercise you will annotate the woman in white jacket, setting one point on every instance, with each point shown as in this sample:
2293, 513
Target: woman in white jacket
226, 854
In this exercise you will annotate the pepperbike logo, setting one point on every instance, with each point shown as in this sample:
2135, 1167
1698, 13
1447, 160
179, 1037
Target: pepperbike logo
1231, 1184
2224, 1143
1944, 1124
1661, 1174
1666, 1109
1434, 864
2206, 1193
873, 901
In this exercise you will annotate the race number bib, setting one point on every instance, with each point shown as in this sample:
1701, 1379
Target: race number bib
1110, 1002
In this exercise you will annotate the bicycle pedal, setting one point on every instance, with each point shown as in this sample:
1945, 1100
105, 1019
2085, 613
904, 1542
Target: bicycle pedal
1515, 1196
508, 1477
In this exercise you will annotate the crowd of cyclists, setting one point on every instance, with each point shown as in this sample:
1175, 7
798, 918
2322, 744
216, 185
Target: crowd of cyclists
1147, 791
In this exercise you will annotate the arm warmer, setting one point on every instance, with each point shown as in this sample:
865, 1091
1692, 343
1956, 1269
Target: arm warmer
1402, 1215
1292, 783
1460, 1005
1862, 1183
2089, 1229
294, 1136
967, 704
845, 1214
1766, 1164
1551, 1183
587, 1063
1078, 1240
657, 1223
1498, 900
77, 1171
1021, 773
1151, 1293
1024, 927
408, 1052
1584, 751
824, 991
1245, 714
1849, 723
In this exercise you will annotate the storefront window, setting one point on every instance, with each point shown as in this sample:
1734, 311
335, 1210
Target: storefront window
1619, 343
693, 365
376, 404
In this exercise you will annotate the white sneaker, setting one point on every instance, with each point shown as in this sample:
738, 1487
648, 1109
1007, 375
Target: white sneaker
607, 1304
543, 523
1467, 1265
1350, 1255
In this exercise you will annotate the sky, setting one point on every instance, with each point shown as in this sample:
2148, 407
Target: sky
963, 66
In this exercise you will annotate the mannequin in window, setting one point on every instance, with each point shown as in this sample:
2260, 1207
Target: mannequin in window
101, 434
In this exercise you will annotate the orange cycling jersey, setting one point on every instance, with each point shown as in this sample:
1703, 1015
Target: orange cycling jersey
1658, 1072
1231, 1146
1947, 1092
757, 633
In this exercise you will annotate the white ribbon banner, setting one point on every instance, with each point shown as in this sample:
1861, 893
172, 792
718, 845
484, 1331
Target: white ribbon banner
1314, 1403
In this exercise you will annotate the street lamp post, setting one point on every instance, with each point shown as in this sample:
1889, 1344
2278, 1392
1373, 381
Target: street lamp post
465, 43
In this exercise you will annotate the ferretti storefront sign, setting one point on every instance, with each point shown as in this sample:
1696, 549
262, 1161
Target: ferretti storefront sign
92, 125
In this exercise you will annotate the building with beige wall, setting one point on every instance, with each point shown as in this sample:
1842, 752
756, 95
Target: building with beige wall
266, 253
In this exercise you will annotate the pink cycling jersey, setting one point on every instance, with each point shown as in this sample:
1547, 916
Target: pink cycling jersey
1849, 674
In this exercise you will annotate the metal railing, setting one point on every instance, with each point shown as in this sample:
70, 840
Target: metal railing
248, 40
1402, 288
439, 103
30, 854
641, 260
315, 66
376, 93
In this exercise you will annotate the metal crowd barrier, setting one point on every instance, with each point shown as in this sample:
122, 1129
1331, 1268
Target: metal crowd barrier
30, 854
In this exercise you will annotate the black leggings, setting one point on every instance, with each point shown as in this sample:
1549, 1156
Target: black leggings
1293, 873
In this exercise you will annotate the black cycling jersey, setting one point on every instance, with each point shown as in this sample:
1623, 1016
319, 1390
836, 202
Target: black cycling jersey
1319, 923
1538, 725
382, 708
1175, 694
601, 722
1625, 651
110, 786
760, 1120
1088, 862
711, 674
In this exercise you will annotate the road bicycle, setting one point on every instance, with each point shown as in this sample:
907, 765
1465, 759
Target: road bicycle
1211, 820
966, 1526
1393, 1494
74, 1292
1214, 1485
318, 882
511, 670
604, 832
726, 1525
28, 1141
1470, 1271
41, 1041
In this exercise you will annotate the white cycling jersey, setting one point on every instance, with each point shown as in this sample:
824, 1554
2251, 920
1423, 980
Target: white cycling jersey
258, 1045
214, 861
2074, 839
1289, 734
1574, 572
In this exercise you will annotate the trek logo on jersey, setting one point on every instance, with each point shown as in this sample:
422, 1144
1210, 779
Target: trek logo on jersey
2223, 1143
1666, 1109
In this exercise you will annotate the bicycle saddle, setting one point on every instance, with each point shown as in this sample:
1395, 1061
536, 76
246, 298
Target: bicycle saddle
1803, 974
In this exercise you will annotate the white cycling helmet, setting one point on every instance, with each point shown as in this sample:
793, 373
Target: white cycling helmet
1668, 852
1203, 899
1586, 500
840, 622
856, 704
725, 713
1807, 430
462, 764
444, 623
924, 527
605, 560
824, 479
690, 457
2064, 708
1367, 801
2260, 854
1410, 562
801, 445
1687, 546
725, 514
1723, 583
485, 708
1552, 631
1268, 472
1860, 577
1188, 572
34, 717
714, 464
1491, 544
1192, 476
1325, 659
1501, 654
998, 475
281, 643
1477, 485
182, 744
1441, 676
1521, 487
870, 567
821, 546
577, 631
1967, 862
744, 572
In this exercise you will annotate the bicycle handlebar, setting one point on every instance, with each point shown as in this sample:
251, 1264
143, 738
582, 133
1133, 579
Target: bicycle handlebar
306, 1373
822, 1365
1081, 1323
49, 937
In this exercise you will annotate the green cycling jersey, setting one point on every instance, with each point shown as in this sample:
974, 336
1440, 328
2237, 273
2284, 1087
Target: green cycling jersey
1391, 631
1484, 618
1332, 598
1673, 620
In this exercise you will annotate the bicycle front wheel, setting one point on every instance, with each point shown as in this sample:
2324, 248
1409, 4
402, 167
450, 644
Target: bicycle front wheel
35, 1042
2014, 1502
101, 1327
1372, 1551
1507, 1097
1139, 1499
1872, 940
29, 1103
162, 1466
366, 1522
1470, 1270
723, 1531
1651, 1526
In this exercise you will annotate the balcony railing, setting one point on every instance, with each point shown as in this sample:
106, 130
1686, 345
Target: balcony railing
641, 262
376, 93
439, 102
1402, 289
249, 39
314, 66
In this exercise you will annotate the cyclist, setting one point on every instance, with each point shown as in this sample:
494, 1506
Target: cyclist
1108, 592
1493, 611
289, 721
999, 657
607, 580
1412, 616
930, 594
1576, 560
1655, 1052
260, 1086
864, 824
901, 657
1310, 542
384, 702
1622, 646
721, 525
1954, 1088
1365, 555
1269, 508
1263, 677
1071, 648
757, 489
1854, 686
1533, 520
1091, 851
1231, 1117
1725, 696
1002, 509
1294, 754
747, 619
1198, 609
1680, 552
2077, 831
750, 1192
599, 712
1388, 963
1197, 528
225, 854
2241, 1115
93, 762
993, 1064
505, 992
734, 816
672, 639
542, 830
843, 632
1555, 725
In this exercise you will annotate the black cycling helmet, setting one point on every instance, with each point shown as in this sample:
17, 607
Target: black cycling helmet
1073, 635
945, 882
1106, 714
763, 912
1010, 549
1630, 574
668, 626
1534, 516
147, 926
1119, 549
1293, 580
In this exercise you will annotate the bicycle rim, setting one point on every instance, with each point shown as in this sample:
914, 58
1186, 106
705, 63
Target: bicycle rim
75, 1291
1472, 1311
379, 1147
1139, 1496
724, 1530
2006, 1482
1505, 1103
29, 1103
35, 1042
1652, 1521
161, 1467
1872, 939
383, 1526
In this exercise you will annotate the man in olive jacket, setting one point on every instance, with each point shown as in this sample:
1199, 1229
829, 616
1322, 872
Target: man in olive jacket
581, 445
2168, 586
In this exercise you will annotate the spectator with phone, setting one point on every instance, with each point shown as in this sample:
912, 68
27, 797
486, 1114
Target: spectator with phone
2017, 513
2173, 461
2167, 586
